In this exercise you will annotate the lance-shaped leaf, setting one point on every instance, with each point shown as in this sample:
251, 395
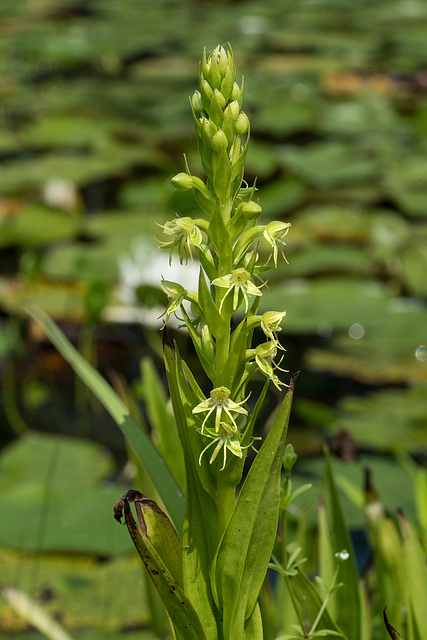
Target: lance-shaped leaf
394, 635
348, 599
415, 570
159, 546
147, 454
218, 233
244, 552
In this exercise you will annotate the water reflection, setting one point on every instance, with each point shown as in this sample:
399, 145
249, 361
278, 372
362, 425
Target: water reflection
324, 330
356, 331
421, 353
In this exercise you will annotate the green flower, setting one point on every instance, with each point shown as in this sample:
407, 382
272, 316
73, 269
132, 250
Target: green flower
237, 281
186, 236
226, 439
264, 357
220, 402
270, 321
176, 295
274, 233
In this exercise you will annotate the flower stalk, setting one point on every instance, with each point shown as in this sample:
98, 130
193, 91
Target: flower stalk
226, 540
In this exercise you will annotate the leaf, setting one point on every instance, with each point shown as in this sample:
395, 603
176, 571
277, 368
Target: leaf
244, 551
162, 421
347, 599
414, 561
179, 608
147, 454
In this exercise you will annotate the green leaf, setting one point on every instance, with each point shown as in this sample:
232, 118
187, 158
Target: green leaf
414, 560
145, 451
221, 178
215, 321
162, 421
218, 233
234, 366
244, 551
348, 598
179, 608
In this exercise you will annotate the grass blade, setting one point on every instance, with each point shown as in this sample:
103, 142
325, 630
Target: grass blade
147, 454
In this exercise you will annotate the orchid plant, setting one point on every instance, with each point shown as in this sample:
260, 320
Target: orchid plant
210, 575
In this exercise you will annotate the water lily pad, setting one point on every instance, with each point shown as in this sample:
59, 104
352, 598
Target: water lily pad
33, 226
56, 498
390, 419
328, 163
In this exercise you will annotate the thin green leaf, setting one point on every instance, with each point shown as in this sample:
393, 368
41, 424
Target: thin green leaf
147, 454
348, 601
214, 319
415, 570
162, 421
234, 366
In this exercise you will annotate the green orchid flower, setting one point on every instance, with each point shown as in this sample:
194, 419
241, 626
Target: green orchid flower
237, 281
186, 235
224, 439
270, 321
220, 402
274, 233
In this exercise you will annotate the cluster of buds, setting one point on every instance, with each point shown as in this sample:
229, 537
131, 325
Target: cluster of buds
226, 246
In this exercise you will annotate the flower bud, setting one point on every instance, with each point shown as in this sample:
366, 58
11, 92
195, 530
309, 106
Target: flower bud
227, 84
196, 101
182, 181
206, 92
208, 128
241, 124
289, 458
216, 108
234, 108
222, 62
219, 141
251, 210
237, 94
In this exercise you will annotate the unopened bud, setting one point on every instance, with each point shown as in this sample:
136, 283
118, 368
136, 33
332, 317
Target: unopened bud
236, 93
289, 458
242, 124
251, 210
182, 181
219, 141
206, 92
196, 101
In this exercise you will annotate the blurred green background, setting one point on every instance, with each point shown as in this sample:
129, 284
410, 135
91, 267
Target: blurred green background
94, 121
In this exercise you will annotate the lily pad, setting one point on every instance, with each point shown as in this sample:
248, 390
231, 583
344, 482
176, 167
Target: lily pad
56, 497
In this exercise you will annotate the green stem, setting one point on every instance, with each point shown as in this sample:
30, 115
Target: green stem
325, 603
226, 496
